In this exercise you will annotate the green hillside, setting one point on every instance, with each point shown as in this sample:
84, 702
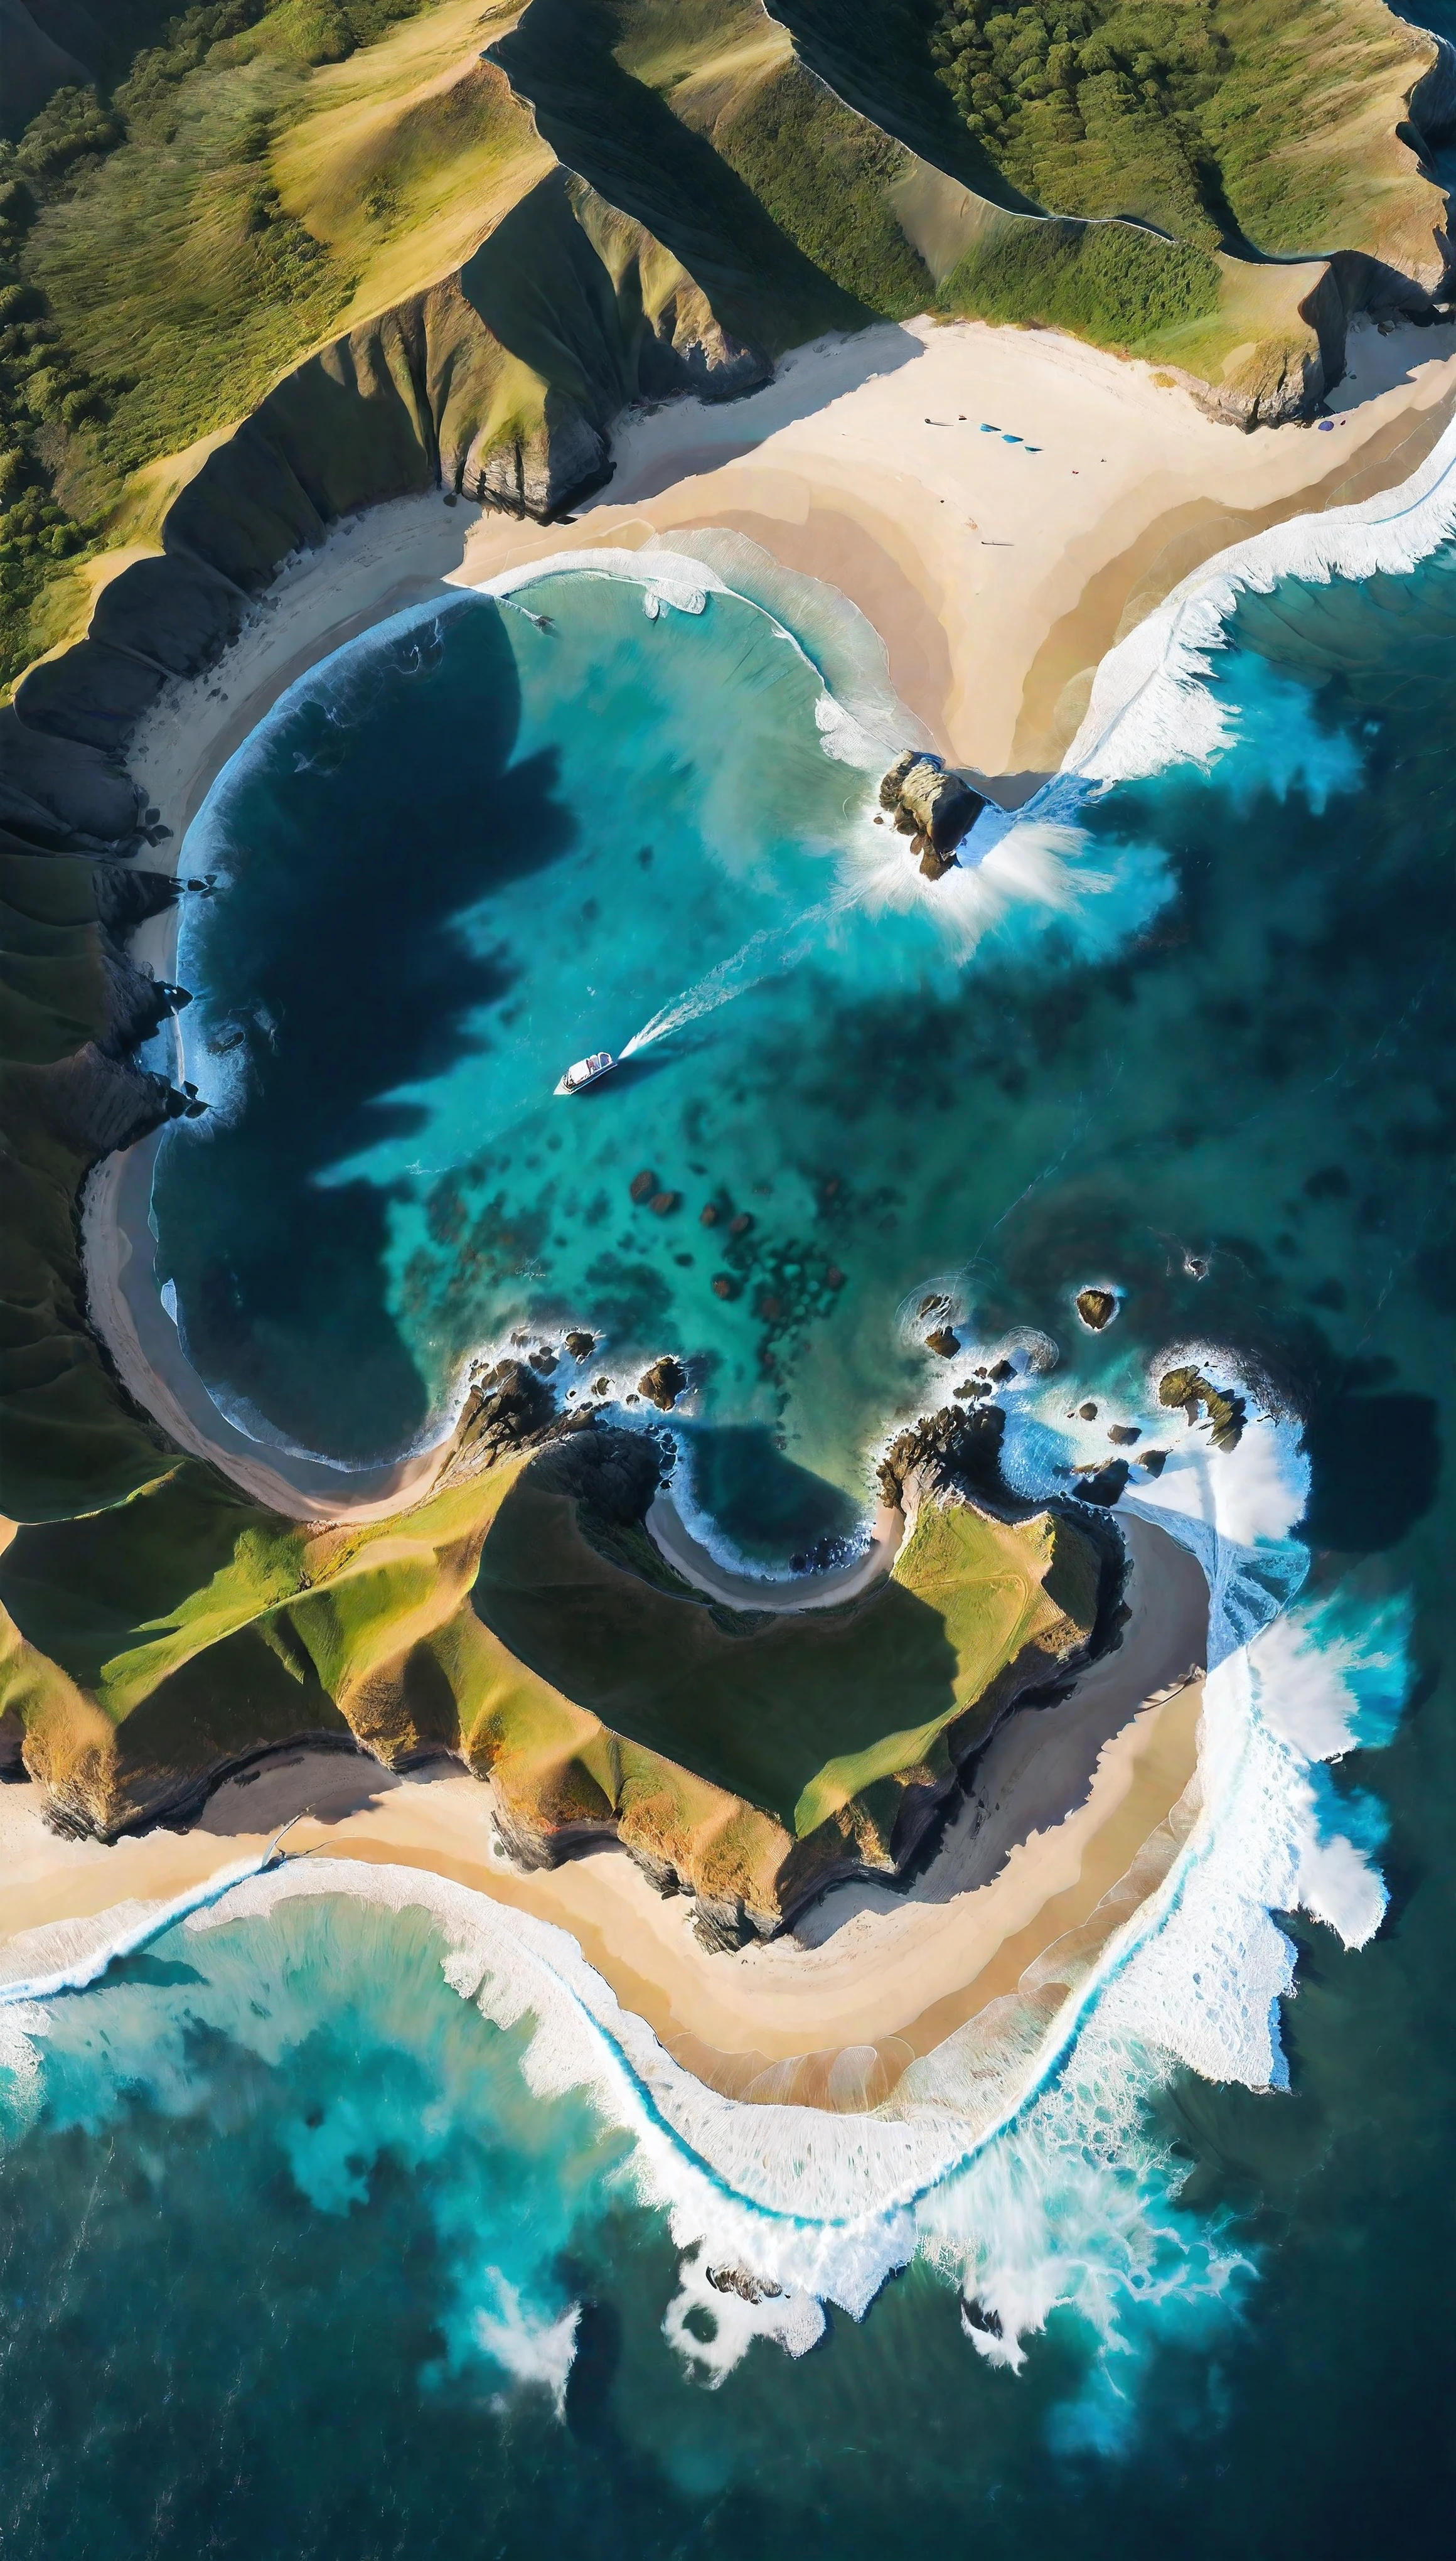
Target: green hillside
509, 1617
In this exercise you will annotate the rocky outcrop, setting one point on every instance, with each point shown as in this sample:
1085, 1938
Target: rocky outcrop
1096, 1308
934, 808
946, 1455
508, 1408
663, 1383
1226, 1412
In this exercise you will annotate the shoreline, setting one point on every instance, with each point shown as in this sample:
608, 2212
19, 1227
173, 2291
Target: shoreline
697, 1564
1072, 1817
977, 648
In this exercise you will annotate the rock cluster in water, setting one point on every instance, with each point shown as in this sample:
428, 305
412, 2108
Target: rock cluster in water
1227, 1413
930, 806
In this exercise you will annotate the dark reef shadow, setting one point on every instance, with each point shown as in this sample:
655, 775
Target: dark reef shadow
335, 950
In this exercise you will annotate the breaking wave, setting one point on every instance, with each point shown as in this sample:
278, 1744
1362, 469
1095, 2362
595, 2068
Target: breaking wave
1018, 2156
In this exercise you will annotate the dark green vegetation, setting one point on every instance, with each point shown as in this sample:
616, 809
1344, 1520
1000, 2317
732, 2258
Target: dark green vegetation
1194, 116
1093, 109
824, 176
169, 244
621, 134
1100, 281
150, 283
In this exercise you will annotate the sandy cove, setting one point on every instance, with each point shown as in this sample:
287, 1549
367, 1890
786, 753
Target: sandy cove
1073, 1816
997, 574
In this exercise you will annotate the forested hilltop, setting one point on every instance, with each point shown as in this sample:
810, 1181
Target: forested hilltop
192, 202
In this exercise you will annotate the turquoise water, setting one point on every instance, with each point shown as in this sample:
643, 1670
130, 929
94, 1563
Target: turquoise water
466, 852
301, 2253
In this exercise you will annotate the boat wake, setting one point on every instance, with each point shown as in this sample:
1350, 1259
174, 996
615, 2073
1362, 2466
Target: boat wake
764, 956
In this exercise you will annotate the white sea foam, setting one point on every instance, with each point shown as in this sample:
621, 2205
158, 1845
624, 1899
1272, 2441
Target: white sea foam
1150, 704
1017, 2152
531, 2348
766, 955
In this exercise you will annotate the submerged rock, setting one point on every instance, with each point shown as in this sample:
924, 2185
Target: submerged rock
663, 1383
643, 1186
1096, 1308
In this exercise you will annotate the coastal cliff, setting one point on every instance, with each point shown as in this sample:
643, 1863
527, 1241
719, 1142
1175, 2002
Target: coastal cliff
520, 1618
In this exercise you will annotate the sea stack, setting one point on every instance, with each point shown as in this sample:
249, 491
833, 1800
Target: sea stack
935, 809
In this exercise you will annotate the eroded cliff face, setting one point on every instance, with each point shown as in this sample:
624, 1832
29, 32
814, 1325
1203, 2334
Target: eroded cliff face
521, 1618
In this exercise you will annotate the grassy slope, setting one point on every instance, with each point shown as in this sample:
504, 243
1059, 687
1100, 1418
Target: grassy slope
799, 1713
275, 182
407, 154
186, 1627
275, 185
1233, 126
171, 282
823, 172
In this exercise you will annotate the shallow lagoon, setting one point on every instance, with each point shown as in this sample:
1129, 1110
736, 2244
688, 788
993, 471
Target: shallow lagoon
1183, 1046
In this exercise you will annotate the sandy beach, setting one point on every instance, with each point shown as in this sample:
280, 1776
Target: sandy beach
1065, 1807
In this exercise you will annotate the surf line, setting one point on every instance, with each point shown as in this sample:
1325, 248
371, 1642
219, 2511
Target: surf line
774, 947
89, 1969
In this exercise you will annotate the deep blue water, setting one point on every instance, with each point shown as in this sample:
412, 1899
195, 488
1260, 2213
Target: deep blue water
288, 2240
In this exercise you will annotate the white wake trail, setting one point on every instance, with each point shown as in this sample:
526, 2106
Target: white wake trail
776, 947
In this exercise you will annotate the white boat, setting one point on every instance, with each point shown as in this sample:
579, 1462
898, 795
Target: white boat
588, 1070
